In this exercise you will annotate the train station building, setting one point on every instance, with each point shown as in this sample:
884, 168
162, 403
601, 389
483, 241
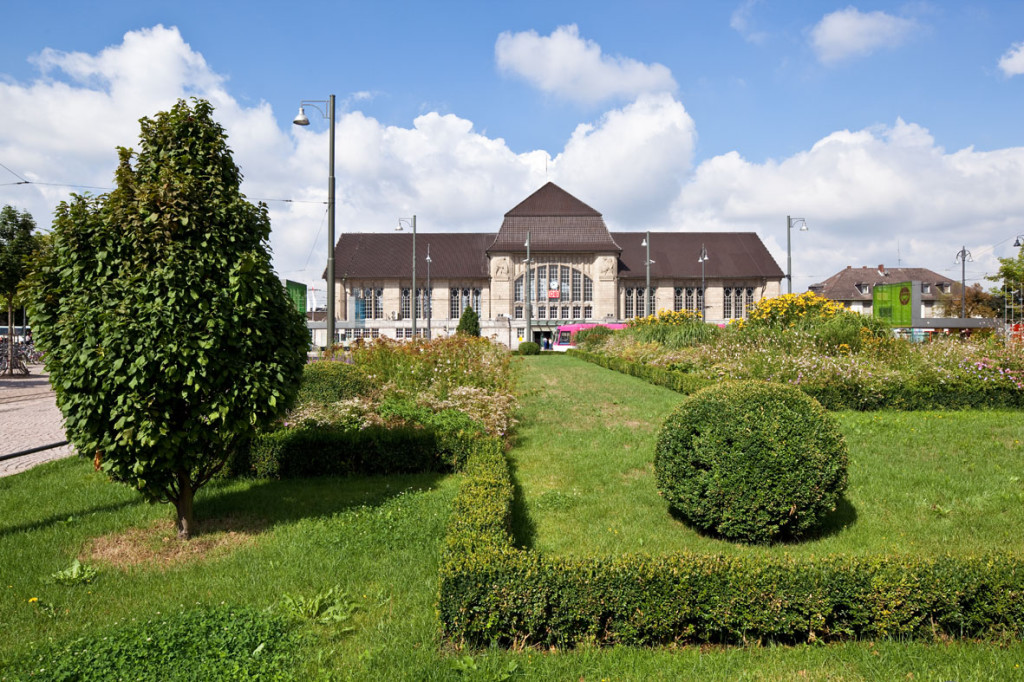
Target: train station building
577, 271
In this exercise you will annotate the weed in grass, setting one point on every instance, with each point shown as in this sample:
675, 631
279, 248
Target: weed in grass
332, 606
75, 574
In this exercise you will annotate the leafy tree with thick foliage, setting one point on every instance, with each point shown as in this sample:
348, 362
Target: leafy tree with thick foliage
168, 337
469, 323
17, 246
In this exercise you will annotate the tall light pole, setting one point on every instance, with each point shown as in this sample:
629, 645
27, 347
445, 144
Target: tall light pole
962, 256
789, 249
529, 311
413, 292
647, 262
430, 293
302, 120
703, 299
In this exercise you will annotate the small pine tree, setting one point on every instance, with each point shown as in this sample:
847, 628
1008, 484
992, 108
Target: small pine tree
469, 323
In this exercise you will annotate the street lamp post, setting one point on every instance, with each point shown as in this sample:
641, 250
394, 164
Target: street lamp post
647, 262
703, 299
789, 249
412, 294
302, 120
528, 311
962, 256
430, 293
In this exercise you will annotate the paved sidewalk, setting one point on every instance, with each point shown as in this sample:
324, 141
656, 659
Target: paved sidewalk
29, 418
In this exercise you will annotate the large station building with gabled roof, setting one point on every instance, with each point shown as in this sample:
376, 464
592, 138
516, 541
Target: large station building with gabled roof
579, 271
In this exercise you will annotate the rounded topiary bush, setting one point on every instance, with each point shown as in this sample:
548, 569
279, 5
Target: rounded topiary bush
751, 461
529, 348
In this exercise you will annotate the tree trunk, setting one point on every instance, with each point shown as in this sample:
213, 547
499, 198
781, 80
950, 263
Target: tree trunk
186, 522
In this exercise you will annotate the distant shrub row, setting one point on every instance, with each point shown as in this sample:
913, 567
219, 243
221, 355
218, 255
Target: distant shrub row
921, 392
493, 593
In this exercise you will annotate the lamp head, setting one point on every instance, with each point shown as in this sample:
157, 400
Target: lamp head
643, 243
1016, 243
803, 226
301, 119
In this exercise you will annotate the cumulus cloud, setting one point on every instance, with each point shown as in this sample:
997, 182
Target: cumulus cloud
569, 66
1012, 63
848, 33
634, 159
866, 194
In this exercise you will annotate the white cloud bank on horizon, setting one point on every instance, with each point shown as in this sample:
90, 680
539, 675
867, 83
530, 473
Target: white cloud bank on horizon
848, 33
1012, 62
568, 66
860, 191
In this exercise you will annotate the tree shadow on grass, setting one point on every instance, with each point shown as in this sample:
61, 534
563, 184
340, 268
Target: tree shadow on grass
844, 516
286, 501
524, 530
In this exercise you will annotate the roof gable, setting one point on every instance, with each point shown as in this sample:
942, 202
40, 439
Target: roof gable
549, 201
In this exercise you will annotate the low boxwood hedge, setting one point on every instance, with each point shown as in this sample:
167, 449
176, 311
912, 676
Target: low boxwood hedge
494, 593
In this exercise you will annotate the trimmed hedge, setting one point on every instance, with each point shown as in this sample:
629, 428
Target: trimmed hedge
493, 593
329, 381
751, 461
911, 393
529, 348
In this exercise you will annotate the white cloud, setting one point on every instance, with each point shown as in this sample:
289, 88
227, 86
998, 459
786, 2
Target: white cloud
1012, 63
741, 22
634, 160
865, 194
850, 33
568, 66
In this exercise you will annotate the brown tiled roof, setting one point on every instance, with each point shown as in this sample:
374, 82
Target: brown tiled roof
556, 222
842, 286
676, 254
377, 255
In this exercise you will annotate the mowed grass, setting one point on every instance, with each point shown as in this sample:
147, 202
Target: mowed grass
379, 538
922, 483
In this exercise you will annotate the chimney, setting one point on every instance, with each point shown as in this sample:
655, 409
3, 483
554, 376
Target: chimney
881, 270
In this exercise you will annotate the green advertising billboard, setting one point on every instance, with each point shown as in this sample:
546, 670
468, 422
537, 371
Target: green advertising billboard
894, 303
297, 292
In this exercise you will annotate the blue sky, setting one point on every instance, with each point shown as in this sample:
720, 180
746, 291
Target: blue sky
893, 128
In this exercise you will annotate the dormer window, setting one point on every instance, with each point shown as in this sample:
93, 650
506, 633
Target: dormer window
863, 288
945, 287
926, 288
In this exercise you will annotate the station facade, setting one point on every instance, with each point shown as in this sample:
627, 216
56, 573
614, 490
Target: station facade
577, 271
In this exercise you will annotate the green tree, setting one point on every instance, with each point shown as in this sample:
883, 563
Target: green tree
17, 246
168, 337
979, 303
1010, 279
469, 323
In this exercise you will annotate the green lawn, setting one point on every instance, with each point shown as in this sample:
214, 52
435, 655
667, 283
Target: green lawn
920, 482
379, 539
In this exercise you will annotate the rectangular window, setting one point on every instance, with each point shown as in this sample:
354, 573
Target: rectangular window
454, 311
374, 332
577, 286
629, 304
565, 284
542, 312
588, 312
542, 283
378, 304
565, 312
588, 289
476, 301
520, 331
689, 301
577, 312
519, 290
677, 299
403, 308
727, 303
519, 312
700, 301
749, 301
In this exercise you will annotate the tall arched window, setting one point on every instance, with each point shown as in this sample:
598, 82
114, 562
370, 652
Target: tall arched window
569, 291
